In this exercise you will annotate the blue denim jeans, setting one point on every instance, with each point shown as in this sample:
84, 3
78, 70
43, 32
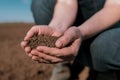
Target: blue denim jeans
101, 52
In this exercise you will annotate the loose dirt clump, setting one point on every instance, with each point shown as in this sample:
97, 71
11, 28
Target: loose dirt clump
42, 40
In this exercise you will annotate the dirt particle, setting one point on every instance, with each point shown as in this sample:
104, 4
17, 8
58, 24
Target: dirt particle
42, 40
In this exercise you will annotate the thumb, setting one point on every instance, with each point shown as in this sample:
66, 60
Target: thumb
70, 35
31, 32
64, 40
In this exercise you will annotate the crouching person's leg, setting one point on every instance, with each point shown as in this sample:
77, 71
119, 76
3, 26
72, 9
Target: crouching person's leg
105, 52
61, 71
42, 12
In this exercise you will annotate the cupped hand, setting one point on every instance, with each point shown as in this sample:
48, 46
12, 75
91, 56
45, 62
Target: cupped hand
37, 30
67, 48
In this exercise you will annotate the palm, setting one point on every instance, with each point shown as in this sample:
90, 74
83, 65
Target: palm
43, 29
38, 30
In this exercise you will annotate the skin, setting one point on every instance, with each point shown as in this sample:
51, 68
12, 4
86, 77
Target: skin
64, 14
58, 24
107, 16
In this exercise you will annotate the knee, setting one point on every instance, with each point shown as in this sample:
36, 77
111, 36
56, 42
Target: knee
103, 52
42, 5
36, 4
42, 11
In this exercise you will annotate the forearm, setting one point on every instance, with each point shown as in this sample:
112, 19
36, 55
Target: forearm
64, 14
102, 20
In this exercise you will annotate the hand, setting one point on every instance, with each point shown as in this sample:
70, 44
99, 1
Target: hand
37, 30
65, 52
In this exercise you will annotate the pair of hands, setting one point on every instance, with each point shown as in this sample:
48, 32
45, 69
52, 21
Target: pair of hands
61, 52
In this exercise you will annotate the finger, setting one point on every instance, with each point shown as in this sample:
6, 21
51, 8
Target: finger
34, 58
31, 32
63, 41
45, 30
27, 49
69, 36
46, 57
76, 43
30, 55
23, 44
49, 51
55, 51
75, 46
40, 60
64, 53
57, 34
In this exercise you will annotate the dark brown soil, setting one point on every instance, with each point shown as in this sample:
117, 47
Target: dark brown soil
42, 40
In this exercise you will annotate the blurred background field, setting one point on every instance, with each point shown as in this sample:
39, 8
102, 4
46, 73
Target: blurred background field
14, 63
15, 20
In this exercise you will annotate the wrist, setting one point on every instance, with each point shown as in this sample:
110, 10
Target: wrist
81, 34
58, 27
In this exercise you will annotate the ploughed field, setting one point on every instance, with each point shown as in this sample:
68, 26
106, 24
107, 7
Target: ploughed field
14, 63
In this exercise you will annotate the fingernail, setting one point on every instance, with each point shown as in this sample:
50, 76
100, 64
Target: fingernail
58, 44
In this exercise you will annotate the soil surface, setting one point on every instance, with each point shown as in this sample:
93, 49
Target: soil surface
42, 40
14, 63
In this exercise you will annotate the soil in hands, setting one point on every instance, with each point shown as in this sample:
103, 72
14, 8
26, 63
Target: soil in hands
42, 40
